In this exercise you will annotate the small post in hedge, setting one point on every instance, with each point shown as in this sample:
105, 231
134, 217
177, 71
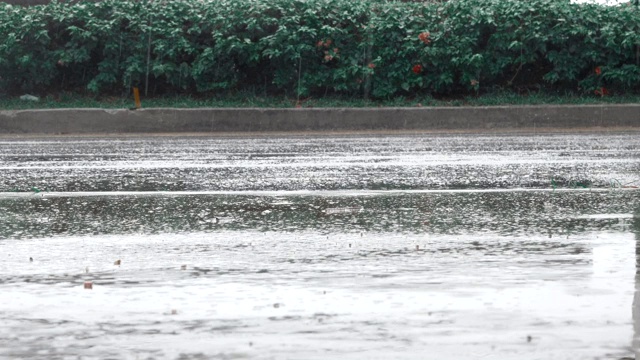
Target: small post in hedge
136, 97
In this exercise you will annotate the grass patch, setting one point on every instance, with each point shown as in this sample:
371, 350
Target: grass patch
250, 100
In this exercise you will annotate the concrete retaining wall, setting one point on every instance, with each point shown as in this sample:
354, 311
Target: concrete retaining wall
206, 120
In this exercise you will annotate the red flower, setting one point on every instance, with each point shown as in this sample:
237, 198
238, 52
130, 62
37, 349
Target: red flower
320, 43
598, 70
372, 66
602, 91
336, 50
327, 43
424, 37
417, 69
328, 58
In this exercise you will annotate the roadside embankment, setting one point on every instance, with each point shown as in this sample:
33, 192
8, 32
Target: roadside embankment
212, 120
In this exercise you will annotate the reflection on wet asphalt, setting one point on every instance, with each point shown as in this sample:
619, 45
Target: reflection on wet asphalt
356, 247
320, 163
512, 213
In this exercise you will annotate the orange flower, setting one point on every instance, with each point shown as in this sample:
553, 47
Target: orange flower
598, 70
417, 69
372, 66
424, 37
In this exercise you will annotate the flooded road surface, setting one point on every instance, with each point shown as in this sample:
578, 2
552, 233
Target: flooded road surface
319, 247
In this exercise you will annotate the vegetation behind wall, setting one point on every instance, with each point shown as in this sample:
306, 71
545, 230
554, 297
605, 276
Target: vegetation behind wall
304, 48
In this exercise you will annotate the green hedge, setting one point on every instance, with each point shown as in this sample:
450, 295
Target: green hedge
317, 47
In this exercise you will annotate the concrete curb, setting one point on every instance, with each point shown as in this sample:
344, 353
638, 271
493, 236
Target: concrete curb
212, 120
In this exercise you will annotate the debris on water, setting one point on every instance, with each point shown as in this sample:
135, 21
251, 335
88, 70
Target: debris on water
183, 267
86, 269
117, 262
31, 259
277, 305
88, 285
529, 338
174, 312
417, 247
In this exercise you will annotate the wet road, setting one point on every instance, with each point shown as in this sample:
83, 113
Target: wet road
315, 247
320, 163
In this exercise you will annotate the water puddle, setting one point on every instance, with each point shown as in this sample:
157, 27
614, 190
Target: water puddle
398, 247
